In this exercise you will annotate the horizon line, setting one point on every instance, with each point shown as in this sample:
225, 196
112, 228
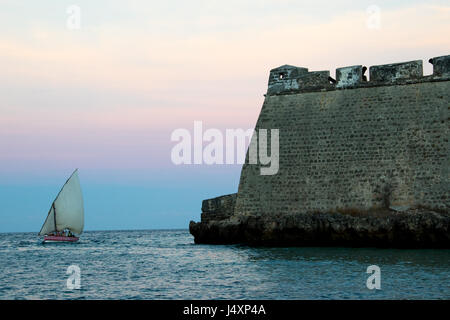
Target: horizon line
110, 230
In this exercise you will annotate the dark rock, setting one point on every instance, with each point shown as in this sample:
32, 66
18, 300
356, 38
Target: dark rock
409, 229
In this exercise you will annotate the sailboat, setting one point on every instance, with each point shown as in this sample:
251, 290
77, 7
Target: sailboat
65, 219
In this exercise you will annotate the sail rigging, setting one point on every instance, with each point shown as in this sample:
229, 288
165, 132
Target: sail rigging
67, 210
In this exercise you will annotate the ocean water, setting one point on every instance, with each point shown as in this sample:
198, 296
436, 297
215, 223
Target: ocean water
166, 264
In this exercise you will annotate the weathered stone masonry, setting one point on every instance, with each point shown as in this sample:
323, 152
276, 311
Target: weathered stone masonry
348, 147
219, 208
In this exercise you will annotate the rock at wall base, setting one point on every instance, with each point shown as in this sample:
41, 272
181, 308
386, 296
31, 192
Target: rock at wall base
409, 229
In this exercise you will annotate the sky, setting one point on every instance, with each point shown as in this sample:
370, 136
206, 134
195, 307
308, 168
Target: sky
105, 95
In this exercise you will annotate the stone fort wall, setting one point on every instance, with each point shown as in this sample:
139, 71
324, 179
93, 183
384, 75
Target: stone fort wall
353, 144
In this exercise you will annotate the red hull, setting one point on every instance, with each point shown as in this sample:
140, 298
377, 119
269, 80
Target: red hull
60, 239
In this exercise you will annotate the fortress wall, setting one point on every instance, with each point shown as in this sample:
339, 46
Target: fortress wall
354, 149
363, 161
219, 208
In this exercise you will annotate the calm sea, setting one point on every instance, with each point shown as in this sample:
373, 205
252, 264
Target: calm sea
157, 264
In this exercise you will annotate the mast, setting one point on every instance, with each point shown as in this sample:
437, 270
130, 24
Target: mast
54, 213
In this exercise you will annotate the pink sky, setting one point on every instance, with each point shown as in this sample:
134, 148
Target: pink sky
109, 95
105, 98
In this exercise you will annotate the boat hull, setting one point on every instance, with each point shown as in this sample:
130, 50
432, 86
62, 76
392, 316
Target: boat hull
48, 239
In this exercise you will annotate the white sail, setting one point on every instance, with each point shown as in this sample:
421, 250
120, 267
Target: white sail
67, 211
49, 224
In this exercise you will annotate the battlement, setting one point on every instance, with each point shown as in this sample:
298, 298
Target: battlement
292, 79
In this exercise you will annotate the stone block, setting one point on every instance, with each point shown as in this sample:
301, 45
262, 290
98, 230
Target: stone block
394, 72
349, 76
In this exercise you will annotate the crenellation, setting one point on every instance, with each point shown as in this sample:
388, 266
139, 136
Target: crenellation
390, 73
348, 77
441, 66
284, 78
285, 72
290, 79
314, 80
